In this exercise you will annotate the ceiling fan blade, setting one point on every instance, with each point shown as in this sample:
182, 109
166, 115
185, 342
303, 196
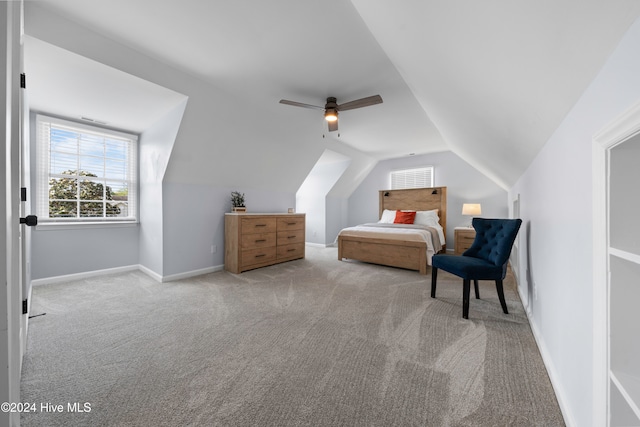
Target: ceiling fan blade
333, 126
359, 103
300, 104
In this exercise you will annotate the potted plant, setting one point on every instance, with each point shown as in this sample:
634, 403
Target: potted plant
237, 202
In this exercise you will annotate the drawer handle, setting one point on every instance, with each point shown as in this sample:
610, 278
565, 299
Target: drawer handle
261, 240
291, 223
291, 237
261, 225
291, 250
261, 255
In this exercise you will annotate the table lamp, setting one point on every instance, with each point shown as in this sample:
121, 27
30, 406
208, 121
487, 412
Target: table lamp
471, 209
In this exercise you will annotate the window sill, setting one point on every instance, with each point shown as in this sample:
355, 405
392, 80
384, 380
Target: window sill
48, 226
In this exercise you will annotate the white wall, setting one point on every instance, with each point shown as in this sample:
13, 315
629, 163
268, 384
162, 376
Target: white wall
311, 197
464, 184
61, 251
556, 238
336, 217
156, 144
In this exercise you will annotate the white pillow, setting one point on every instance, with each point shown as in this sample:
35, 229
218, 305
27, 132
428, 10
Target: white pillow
428, 218
388, 216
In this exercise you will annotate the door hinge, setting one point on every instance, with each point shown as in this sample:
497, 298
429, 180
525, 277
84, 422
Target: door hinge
25, 306
23, 80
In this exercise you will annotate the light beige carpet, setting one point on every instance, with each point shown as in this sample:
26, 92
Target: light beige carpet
314, 342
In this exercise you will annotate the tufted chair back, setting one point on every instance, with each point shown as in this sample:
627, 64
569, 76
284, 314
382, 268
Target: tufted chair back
494, 238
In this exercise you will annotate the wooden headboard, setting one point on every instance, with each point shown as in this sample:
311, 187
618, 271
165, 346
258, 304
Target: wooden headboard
416, 199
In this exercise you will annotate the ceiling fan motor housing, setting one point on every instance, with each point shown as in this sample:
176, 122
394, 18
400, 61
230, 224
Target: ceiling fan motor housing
331, 103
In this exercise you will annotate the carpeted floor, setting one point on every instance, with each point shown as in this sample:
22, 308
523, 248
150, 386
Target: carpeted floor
314, 342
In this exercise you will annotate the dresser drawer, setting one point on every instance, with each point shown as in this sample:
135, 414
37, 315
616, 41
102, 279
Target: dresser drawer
258, 240
292, 223
290, 236
257, 256
295, 250
258, 225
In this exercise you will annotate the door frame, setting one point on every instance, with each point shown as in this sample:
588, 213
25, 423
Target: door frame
617, 131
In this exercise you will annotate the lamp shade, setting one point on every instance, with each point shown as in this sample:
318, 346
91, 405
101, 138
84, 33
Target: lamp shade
471, 209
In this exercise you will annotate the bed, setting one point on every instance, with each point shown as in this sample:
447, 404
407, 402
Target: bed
397, 245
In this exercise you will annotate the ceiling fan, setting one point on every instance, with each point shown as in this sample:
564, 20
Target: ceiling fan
332, 108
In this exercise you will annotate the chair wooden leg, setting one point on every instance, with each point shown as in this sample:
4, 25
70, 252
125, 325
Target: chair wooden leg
500, 290
434, 277
466, 288
475, 285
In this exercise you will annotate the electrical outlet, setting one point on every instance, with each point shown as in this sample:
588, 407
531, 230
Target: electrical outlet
214, 249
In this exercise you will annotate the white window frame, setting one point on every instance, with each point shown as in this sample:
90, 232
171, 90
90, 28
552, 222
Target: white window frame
43, 172
421, 177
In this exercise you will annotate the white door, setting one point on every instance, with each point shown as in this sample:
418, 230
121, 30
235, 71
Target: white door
25, 206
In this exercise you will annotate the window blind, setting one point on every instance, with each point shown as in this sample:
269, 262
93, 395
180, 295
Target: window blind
412, 178
84, 173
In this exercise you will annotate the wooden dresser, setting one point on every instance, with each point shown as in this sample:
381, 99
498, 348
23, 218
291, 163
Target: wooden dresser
253, 240
464, 237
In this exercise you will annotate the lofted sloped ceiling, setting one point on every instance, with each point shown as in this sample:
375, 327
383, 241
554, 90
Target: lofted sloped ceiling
489, 80
498, 76
136, 103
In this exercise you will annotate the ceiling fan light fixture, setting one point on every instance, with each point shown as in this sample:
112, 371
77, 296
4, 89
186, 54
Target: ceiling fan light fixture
331, 115
331, 108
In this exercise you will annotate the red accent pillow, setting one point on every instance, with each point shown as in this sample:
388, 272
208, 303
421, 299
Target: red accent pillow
404, 217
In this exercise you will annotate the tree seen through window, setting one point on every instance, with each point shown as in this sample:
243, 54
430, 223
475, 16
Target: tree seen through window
80, 192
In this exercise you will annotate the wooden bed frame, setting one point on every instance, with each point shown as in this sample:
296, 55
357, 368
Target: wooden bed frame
398, 253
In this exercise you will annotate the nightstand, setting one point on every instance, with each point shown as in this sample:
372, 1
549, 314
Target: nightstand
464, 237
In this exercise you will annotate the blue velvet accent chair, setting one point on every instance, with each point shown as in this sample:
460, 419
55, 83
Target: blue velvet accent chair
486, 259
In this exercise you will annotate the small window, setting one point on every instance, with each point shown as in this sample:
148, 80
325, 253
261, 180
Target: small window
84, 173
412, 178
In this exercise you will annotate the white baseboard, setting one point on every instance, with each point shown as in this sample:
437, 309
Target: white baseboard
192, 273
553, 375
83, 275
319, 245
116, 270
155, 276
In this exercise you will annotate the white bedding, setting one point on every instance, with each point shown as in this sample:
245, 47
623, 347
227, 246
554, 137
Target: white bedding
377, 227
